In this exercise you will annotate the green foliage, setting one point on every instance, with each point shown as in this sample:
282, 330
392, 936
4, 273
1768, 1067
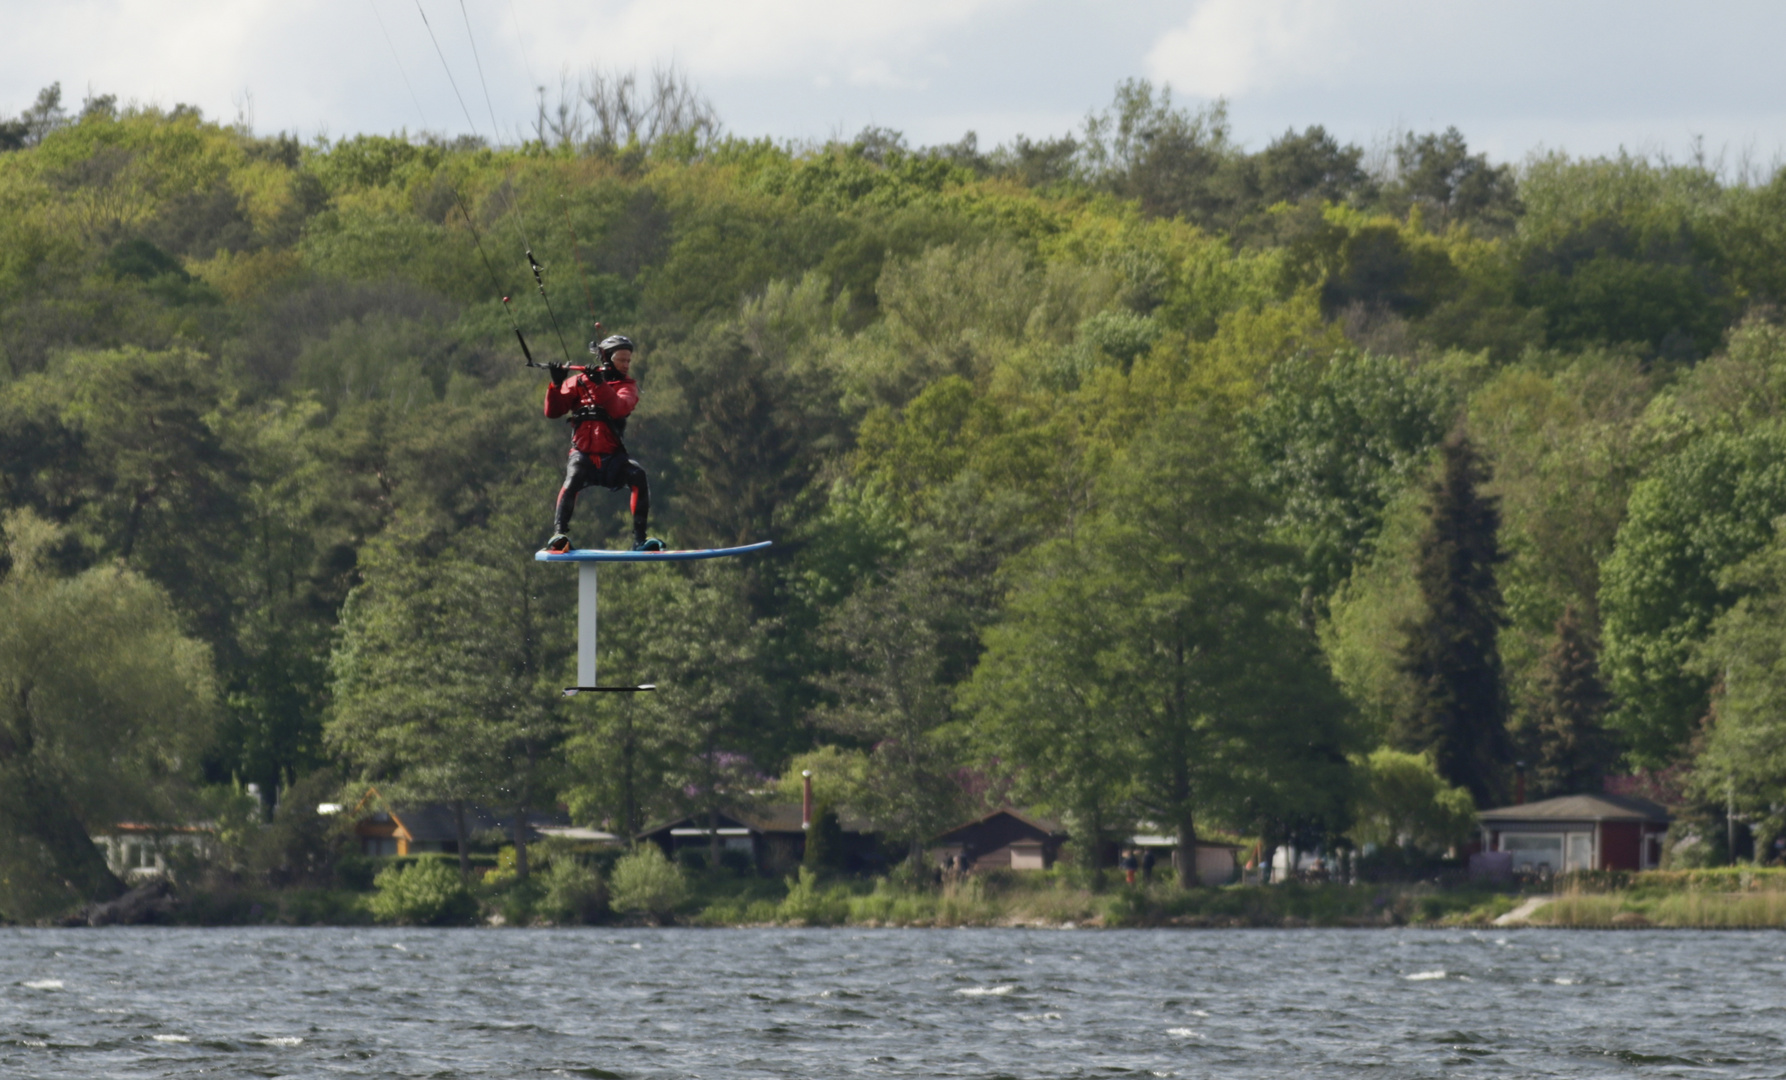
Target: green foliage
574, 893
1743, 760
1622, 249
1337, 441
984, 399
446, 669
1566, 443
890, 693
1437, 172
1172, 682
824, 841
428, 892
1458, 712
1568, 746
106, 705
838, 776
1404, 802
646, 883
1362, 634
810, 904
1696, 513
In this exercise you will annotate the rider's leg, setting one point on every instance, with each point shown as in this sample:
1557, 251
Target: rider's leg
579, 472
641, 501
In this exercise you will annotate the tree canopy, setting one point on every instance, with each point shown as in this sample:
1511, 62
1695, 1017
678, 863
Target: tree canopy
1100, 465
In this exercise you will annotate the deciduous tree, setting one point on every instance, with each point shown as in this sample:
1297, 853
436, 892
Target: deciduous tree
104, 706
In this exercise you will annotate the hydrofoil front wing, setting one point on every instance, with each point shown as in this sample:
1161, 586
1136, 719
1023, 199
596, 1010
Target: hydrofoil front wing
642, 688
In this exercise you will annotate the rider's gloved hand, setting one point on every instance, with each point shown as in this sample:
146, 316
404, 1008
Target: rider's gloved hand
557, 372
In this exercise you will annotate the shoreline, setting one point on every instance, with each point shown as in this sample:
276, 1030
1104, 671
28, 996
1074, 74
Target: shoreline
1018, 904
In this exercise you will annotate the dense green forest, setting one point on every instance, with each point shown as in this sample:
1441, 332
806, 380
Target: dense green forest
1131, 475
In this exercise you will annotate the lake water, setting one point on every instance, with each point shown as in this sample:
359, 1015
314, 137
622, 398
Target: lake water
143, 1002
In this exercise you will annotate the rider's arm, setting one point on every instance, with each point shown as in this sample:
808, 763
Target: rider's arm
562, 398
619, 398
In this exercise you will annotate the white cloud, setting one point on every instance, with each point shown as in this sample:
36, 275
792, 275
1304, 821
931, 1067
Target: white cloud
1230, 47
1589, 75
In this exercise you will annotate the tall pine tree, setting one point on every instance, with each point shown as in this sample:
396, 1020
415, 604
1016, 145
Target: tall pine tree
1565, 740
1459, 710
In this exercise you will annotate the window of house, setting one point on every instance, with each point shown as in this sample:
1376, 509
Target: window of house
1534, 852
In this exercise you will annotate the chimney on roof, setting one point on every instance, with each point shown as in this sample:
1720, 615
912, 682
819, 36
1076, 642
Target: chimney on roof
1519, 783
806, 799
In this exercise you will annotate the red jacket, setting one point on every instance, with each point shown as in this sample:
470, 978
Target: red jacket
617, 398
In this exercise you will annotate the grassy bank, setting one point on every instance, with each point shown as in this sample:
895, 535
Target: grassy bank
1051, 900
1727, 898
1692, 899
1029, 900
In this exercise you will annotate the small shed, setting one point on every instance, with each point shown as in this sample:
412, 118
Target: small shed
1216, 861
1578, 832
1005, 839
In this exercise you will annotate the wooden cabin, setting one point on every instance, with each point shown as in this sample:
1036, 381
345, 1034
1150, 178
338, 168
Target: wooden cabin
416, 828
1577, 832
771, 835
1005, 839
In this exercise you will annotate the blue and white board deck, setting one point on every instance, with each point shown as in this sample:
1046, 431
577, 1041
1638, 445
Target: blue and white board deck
591, 555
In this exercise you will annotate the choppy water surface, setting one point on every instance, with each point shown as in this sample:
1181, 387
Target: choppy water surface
844, 1003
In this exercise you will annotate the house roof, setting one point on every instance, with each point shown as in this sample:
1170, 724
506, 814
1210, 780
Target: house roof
1158, 840
1580, 808
761, 818
774, 817
433, 822
577, 832
1049, 829
139, 828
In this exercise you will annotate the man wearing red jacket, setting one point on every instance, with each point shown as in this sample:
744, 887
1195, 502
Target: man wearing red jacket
597, 403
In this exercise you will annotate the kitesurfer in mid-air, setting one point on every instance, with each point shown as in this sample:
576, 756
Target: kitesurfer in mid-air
597, 402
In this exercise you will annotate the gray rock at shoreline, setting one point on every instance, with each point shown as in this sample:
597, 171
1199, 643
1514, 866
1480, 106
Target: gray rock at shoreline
146, 903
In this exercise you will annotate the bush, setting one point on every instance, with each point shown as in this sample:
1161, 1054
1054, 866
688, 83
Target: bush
824, 841
809, 905
356, 871
425, 893
646, 883
574, 893
516, 901
506, 871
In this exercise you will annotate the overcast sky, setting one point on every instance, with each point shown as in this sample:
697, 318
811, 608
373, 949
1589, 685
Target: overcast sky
1586, 76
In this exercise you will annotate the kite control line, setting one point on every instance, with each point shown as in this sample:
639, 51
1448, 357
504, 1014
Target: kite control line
541, 282
514, 203
582, 274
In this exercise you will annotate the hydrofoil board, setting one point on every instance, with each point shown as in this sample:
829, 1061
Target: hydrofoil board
592, 555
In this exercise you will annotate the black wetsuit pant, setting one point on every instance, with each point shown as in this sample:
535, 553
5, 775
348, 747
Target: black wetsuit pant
611, 471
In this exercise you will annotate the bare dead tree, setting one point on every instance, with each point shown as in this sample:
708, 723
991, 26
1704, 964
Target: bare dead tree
602, 112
